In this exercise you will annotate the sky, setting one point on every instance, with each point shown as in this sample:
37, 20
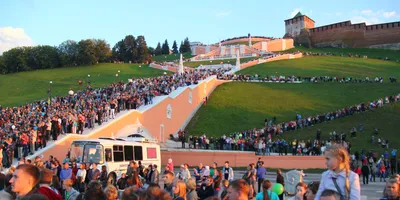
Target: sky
50, 22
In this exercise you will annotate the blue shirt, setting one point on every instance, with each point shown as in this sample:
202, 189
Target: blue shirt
65, 174
261, 171
272, 195
327, 184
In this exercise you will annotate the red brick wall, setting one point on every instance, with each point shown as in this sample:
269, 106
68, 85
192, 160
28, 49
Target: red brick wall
345, 34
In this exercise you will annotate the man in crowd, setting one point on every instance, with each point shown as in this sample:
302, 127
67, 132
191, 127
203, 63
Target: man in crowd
46, 179
206, 189
238, 190
66, 172
228, 172
168, 179
261, 172
24, 180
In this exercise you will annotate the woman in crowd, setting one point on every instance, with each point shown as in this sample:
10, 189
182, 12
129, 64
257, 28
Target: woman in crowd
392, 189
281, 180
191, 189
301, 189
81, 176
339, 177
103, 176
179, 190
267, 194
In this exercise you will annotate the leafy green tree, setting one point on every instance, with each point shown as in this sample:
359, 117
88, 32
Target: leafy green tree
87, 52
102, 50
118, 51
68, 52
181, 49
143, 54
131, 53
15, 60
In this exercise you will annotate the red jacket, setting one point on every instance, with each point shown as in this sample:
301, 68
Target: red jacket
50, 193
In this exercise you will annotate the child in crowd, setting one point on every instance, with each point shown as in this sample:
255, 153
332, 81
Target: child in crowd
339, 177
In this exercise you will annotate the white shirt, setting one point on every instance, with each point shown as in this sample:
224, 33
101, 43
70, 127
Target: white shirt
81, 173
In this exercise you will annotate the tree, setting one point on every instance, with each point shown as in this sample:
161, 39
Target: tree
158, 50
102, 50
143, 54
118, 51
131, 53
150, 50
175, 48
68, 52
186, 45
181, 48
87, 52
165, 48
15, 61
3, 68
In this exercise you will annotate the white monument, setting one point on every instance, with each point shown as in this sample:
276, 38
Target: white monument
180, 68
237, 60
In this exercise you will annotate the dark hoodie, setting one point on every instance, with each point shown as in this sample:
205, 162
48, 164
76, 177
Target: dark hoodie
50, 193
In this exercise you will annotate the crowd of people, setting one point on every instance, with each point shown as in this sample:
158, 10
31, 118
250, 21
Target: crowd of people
27, 128
292, 79
38, 179
351, 55
261, 140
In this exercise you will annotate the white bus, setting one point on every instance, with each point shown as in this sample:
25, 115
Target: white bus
116, 153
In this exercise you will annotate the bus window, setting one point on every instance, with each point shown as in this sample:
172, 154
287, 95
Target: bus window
138, 153
93, 153
118, 153
151, 153
108, 155
128, 152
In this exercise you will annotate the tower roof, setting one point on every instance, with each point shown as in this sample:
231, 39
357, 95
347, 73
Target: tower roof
298, 14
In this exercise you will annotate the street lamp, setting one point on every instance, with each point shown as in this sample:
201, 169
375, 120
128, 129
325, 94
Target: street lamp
88, 79
51, 82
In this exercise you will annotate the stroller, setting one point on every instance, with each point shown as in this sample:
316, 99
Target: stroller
291, 179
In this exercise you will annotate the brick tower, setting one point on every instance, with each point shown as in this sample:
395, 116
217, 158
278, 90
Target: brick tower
294, 25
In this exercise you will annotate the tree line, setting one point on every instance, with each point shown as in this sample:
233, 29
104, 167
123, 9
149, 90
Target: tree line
165, 50
84, 52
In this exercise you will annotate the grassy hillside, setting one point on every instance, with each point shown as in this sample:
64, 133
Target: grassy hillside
327, 66
385, 119
171, 57
240, 106
371, 53
25, 87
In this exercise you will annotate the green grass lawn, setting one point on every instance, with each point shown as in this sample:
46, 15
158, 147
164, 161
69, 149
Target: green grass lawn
171, 57
25, 87
327, 66
371, 53
385, 119
240, 106
196, 64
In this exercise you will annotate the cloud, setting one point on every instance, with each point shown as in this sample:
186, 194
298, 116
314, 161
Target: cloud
294, 12
222, 14
13, 37
389, 14
367, 12
367, 20
373, 16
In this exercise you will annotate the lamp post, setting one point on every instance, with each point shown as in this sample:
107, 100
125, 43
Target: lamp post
88, 81
51, 82
117, 75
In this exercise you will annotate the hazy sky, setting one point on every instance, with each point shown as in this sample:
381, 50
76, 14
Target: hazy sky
34, 22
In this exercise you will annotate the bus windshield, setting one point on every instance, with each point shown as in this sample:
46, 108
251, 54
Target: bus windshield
93, 153
77, 152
